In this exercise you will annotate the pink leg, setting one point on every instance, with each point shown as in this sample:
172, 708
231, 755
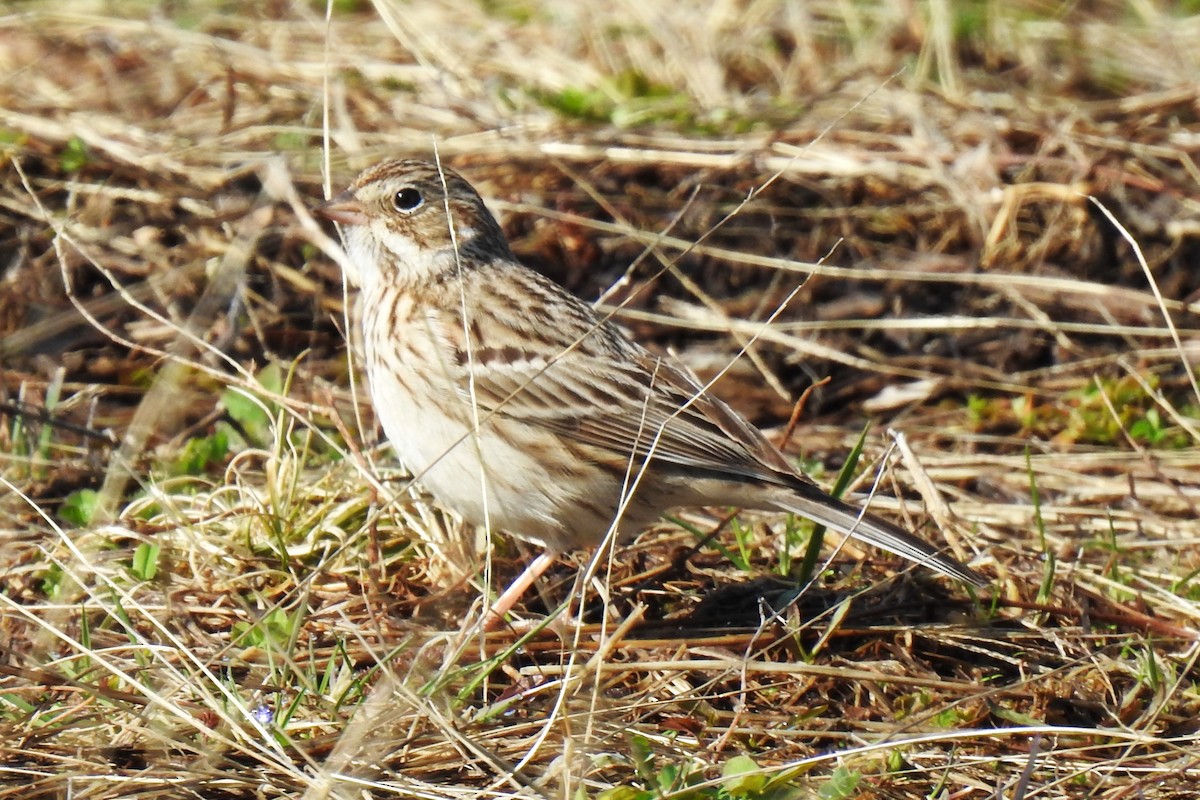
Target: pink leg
504, 603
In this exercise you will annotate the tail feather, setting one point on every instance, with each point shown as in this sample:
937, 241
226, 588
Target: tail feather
809, 501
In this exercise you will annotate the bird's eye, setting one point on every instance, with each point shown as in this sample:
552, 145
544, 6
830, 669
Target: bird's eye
408, 199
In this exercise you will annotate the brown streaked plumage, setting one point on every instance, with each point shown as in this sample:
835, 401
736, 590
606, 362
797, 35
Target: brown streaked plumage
575, 420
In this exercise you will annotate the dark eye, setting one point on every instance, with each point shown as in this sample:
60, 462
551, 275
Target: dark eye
408, 199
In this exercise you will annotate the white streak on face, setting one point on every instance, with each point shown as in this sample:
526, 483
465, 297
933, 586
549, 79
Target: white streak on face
362, 255
383, 255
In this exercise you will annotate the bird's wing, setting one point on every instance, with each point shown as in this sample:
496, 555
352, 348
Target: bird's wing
612, 394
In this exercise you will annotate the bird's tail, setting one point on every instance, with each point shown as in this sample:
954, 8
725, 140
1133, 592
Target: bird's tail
807, 500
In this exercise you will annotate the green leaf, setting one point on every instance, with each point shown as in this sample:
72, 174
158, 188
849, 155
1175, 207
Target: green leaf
247, 412
947, 718
290, 142
252, 413
1015, 717
582, 104
79, 507
841, 784
145, 561
201, 452
274, 630
52, 581
738, 765
21, 704
625, 793
666, 778
742, 777
813, 552
74, 155
643, 756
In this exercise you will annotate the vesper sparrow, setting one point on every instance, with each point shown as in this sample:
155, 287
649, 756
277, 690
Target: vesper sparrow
519, 407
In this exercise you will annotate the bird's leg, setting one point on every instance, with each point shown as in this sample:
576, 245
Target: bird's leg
494, 616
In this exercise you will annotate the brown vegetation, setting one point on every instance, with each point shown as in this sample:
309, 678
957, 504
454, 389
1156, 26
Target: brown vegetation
990, 211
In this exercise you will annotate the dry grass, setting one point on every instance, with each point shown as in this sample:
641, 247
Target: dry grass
208, 588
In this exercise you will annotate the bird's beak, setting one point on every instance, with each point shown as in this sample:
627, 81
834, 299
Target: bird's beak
345, 209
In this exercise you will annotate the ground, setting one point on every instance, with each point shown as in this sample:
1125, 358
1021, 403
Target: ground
970, 229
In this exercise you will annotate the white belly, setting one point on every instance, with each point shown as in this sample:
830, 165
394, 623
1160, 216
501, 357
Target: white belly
491, 480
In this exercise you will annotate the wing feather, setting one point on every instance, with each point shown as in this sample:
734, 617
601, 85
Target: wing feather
608, 392
589, 383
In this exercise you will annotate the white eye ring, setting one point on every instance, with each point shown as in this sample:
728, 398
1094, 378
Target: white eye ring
407, 200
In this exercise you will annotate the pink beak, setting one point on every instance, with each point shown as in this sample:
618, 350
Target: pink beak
344, 209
